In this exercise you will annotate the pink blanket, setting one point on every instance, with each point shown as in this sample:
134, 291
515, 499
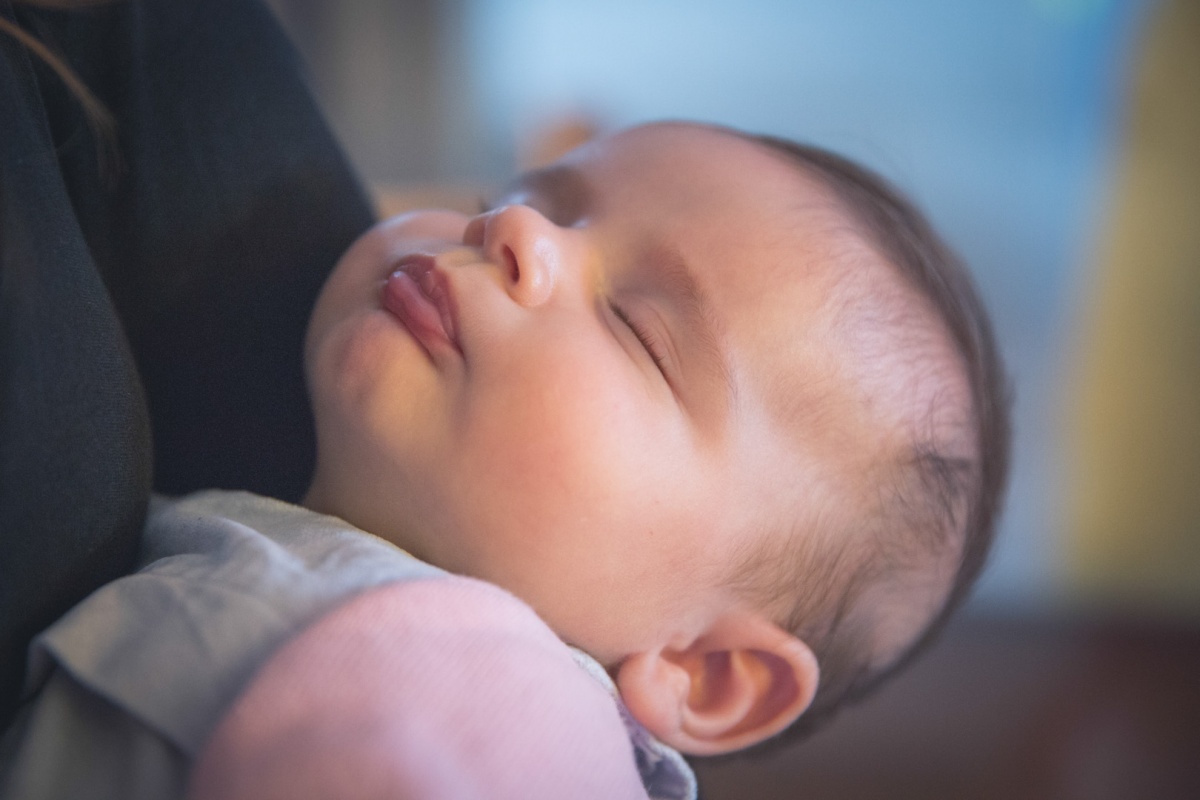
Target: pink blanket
446, 688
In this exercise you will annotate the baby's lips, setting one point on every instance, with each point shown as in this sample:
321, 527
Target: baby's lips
419, 295
436, 287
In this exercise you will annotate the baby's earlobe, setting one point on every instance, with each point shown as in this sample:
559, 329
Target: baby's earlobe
655, 690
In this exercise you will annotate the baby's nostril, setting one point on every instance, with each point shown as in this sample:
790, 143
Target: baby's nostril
510, 258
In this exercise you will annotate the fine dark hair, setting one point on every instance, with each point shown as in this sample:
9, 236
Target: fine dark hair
960, 497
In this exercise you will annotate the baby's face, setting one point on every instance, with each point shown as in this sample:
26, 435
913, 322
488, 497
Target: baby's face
574, 395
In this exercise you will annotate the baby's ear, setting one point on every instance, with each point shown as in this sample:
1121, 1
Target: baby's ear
741, 682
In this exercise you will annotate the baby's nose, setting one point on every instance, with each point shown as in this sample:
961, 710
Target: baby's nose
525, 245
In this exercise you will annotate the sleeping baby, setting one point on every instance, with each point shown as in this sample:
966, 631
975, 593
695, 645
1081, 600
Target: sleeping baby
718, 411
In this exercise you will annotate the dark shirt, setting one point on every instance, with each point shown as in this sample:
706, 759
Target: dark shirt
154, 289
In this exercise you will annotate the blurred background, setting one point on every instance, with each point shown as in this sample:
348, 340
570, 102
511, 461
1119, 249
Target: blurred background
1056, 144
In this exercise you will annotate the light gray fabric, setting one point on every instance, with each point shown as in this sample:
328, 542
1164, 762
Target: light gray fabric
74, 744
134, 679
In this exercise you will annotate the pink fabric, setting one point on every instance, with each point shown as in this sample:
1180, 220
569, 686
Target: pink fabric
447, 688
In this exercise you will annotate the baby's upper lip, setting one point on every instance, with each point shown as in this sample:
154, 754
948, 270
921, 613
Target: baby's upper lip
430, 313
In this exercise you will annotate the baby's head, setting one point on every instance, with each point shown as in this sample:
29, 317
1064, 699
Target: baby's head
720, 409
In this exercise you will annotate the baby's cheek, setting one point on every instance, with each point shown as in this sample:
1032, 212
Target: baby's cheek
565, 439
580, 490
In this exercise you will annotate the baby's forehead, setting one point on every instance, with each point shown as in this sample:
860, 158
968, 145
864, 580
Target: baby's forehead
819, 313
853, 368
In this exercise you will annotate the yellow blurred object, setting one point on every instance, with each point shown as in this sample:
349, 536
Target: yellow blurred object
1134, 485
556, 137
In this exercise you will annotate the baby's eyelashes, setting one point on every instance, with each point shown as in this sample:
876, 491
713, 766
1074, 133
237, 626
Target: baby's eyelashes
645, 336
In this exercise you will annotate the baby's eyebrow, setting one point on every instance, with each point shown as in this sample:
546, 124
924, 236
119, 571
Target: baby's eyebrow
705, 332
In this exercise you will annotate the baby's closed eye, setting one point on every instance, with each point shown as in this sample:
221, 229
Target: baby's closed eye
645, 336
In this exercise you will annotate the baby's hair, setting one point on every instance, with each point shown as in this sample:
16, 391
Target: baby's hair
934, 497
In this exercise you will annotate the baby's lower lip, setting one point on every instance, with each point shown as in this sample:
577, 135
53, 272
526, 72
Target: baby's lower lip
403, 297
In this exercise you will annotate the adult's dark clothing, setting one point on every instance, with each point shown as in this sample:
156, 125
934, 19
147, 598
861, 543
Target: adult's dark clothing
155, 289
